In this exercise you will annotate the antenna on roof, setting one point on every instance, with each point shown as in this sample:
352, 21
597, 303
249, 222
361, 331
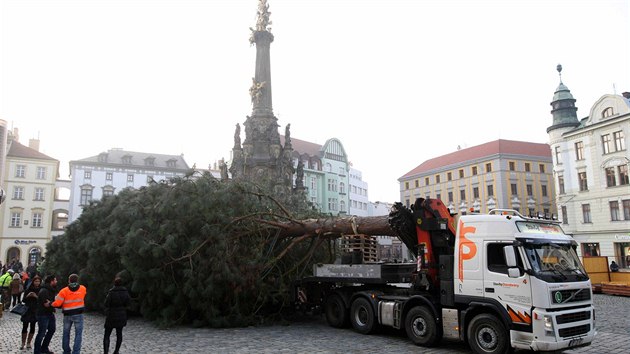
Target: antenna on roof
614, 89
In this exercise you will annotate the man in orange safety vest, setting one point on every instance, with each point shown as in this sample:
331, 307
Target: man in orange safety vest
71, 299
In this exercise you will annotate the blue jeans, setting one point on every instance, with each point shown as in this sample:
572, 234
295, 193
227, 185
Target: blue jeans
47, 326
68, 321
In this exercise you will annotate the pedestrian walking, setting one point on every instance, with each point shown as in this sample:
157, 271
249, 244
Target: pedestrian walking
116, 303
614, 267
16, 287
29, 318
5, 281
45, 315
71, 299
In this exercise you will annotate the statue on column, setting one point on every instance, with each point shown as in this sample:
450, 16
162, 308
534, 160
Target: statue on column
287, 136
224, 171
237, 137
255, 91
299, 178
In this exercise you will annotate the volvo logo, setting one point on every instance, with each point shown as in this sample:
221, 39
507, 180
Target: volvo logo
557, 296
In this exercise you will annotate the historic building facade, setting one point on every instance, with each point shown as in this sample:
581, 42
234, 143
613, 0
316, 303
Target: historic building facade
499, 174
591, 163
32, 211
358, 202
109, 172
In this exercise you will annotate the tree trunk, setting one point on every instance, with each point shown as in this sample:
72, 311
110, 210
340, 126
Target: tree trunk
336, 226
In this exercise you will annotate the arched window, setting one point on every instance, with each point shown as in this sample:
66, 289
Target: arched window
608, 112
13, 254
328, 167
34, 255
342, 206
342, 187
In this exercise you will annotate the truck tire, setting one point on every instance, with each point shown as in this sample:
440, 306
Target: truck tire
336, 313
487, 335
362, 316
421, 327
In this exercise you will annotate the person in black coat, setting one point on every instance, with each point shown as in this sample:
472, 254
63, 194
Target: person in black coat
29, 318
116, 304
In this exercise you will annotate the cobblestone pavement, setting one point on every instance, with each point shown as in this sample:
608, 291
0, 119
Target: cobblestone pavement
310, 335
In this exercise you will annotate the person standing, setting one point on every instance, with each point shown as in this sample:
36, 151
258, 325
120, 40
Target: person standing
116, 303
29, 318
45, 315
71, 299
16, 289
5, 281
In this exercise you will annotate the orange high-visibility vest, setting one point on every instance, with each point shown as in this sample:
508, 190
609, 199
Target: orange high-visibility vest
71, 302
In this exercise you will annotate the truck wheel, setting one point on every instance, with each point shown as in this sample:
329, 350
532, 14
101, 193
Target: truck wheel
362, 316
421, 327
487, 335
336, 314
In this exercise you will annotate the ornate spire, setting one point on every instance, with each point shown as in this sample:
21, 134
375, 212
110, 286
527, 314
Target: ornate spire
563, 109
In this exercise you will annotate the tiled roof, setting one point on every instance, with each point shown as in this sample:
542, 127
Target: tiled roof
496, 147
19, 150
303, 147
115, 157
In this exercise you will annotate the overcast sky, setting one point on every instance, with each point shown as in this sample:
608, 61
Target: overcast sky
398, 82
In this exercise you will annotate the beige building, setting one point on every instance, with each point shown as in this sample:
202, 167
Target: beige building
499, 174
30, 212
591, 163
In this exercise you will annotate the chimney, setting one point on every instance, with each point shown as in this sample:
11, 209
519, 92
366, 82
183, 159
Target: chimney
33, 144
626, 95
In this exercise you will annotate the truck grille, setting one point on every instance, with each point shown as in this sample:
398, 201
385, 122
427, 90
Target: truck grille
573, 317
568, 296
574, 331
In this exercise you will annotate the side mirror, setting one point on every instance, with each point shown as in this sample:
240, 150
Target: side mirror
510, 256
514, 272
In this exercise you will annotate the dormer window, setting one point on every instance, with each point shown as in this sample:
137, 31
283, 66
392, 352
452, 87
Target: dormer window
126, 159
102, 157
171, 163
149, 161
608, 112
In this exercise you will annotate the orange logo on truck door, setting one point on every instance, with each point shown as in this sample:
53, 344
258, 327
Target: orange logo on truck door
470, 249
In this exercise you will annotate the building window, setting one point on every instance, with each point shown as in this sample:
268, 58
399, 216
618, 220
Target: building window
108, 191
438, 196
590, 249
342, 187
490, 190
86, 196
149, 161
416, 183
610, 177
474, 170
173, 163
512, 166
314, 184
543, 190
126, 159
426, 181
129, 178
18, 193
623, 175
476, 192
620, 143
614, 211
20, 171
530, 190
342, 206
565, 217
109, 176
437, 178
561, 184
406, 185
606, 143
541, 168
16, 218
626, 209
514, 189
449, 176
582, 181
37, 220
450, 197
527, 167
586, 213
557, 151
461, 173
87, 174
579, 150
41, 172
608, 112
332, 185
39, 194
462, 194
488, 167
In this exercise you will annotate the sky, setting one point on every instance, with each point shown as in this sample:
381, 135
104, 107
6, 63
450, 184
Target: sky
398, 82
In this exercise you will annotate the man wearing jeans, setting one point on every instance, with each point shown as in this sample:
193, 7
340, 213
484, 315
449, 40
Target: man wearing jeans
71, 299
45, 315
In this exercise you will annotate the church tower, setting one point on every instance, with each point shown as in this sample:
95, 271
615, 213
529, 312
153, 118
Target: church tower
262, 156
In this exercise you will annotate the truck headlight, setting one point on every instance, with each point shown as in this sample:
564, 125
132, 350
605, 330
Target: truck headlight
548, 323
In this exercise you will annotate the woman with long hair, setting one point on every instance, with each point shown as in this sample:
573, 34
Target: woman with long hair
29, 318
116, 303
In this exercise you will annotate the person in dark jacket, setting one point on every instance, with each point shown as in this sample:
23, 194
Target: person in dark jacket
116, 303
29, 318
45, 315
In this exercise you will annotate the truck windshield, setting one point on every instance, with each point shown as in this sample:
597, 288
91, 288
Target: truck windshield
555, 262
